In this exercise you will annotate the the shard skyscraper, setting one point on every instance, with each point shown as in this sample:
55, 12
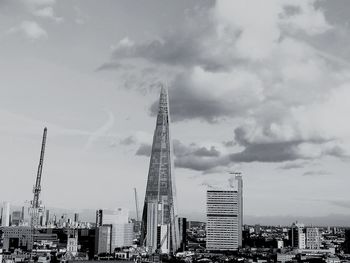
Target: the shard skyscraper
160, 230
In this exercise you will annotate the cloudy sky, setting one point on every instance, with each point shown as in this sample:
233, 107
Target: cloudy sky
259, 87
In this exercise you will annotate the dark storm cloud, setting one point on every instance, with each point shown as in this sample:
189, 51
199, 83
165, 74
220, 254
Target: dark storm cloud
277, 150
184, 46
191, 157
194, 44
205, 159
273, 151
187, 103
204, 152
199, 164
268, 152
204, 66
196, 158
181, 150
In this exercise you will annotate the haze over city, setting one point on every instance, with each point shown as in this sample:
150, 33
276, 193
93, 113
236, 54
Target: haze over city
256, 87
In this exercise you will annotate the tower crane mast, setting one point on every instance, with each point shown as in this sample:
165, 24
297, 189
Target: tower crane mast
35, 204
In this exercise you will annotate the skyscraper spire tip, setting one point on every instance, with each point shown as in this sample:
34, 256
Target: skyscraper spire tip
164, 88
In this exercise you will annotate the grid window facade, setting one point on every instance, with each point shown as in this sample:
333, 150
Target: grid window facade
223, 220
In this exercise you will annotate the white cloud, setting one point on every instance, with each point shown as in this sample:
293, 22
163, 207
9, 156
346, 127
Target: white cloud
259, 25
311, 20
254, 21
250, 65
47, 12
31, 30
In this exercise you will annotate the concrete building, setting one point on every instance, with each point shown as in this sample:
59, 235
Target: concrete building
224, 218
257, 229
22, 214
72, 243
5, 215
47, 217
76, 218
182, 231
160, 194
17, 237
313, 238
99, 215
103, 240
298, 236
122, 232
279, 244
16, 218
114, 230
285, 257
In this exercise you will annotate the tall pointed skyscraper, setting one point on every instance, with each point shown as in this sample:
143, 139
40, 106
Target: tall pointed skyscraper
160, 230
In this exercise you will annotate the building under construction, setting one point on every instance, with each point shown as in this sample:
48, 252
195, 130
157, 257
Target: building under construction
160, 229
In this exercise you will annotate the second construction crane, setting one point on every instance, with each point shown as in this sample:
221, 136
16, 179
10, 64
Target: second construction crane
36, 209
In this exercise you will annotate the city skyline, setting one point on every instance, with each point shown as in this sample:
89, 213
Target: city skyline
262, 92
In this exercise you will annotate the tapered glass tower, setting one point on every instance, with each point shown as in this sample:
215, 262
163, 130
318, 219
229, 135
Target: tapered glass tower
159, 219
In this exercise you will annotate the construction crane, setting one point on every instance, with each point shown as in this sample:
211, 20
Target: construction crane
137, 206
231, 180
36, 208
235, 173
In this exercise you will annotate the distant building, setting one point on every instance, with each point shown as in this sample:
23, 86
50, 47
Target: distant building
298, 236
5, 215
334, 230
313, 238
76, 217
182, 231
122, 231
47, 217
257, 229
103, 240
99, 216
114, 230
285, 257
346, 244
224, 218
43, 239
279, 244
16, 218
17, 237
72, 243
86, 241
22, 214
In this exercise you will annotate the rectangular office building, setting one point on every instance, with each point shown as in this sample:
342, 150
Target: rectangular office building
224, 218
